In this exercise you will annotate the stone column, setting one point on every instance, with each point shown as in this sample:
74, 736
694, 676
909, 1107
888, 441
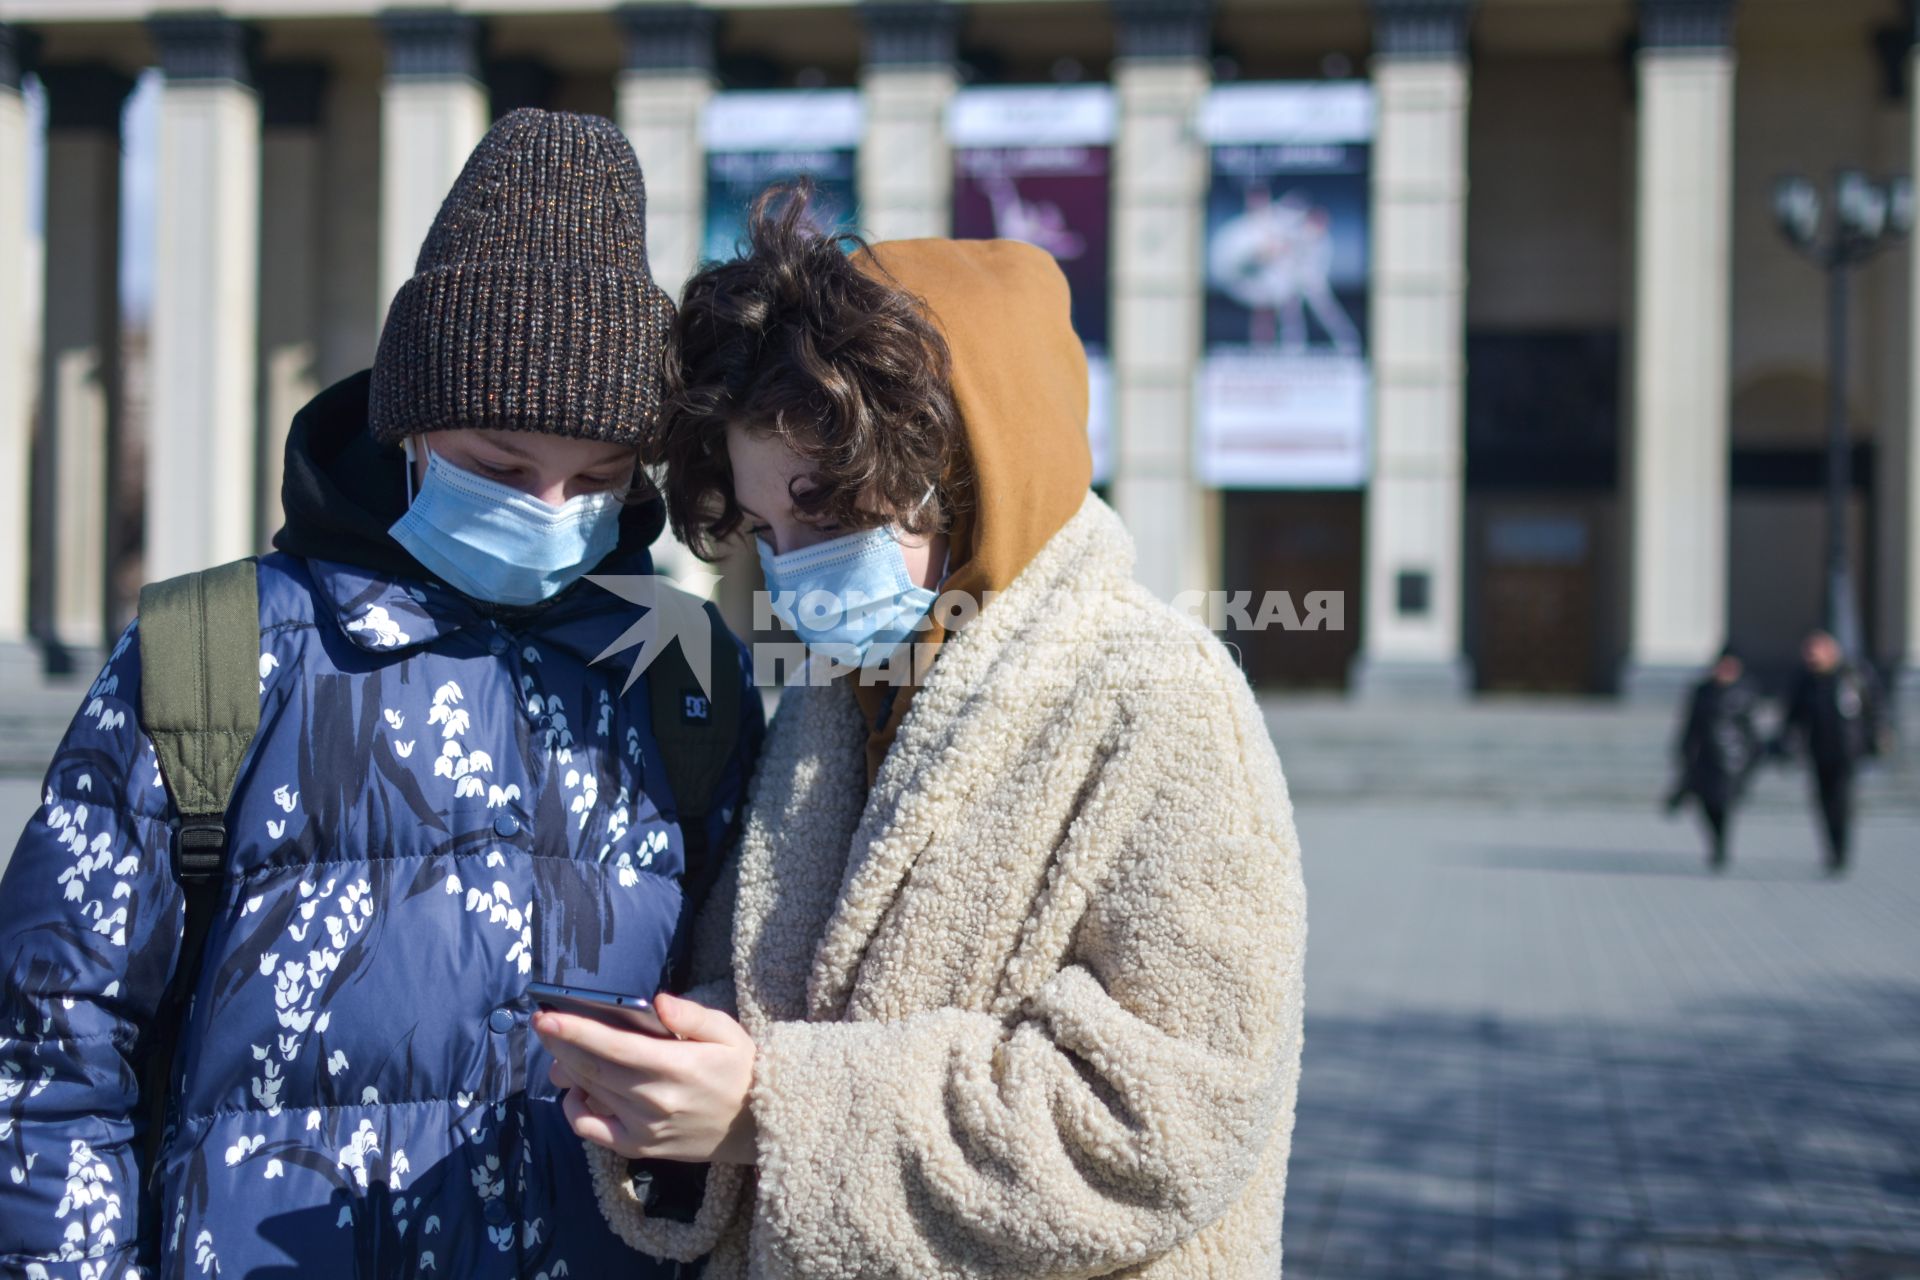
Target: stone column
906, 167
660, 98
1160, 175
202, 441
1415, 508
292, 168
1908, 454
1682, 314
16, 376
664, 87
80, 350
432, 113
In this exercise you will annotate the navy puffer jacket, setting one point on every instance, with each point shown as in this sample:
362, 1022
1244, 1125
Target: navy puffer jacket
442, 804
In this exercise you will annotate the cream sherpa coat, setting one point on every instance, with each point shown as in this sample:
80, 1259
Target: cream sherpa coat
1032, 1008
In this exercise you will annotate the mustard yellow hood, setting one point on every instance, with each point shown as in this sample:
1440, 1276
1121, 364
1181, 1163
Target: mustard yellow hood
1020, 378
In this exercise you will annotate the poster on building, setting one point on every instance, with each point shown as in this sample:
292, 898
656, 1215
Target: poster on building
1033, 164
1285, 396
756, 138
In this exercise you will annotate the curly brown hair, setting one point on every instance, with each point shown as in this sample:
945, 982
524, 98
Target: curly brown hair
794, 340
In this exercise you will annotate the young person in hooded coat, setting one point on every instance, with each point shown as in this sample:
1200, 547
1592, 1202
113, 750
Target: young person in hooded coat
445, 799
1006, 977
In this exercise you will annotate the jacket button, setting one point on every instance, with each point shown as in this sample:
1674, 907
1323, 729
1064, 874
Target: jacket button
500, 1020
506, 826
498, 645
496, 1213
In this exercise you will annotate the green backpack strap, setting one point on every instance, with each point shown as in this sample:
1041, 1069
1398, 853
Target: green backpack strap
200, 696
200, 706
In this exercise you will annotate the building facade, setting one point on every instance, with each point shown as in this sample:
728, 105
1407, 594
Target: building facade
1595, 373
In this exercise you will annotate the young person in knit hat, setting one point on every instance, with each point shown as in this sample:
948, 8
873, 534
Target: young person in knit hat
445, 799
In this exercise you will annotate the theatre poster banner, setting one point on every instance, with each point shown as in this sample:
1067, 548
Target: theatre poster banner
1284, 395
1034, 164
756, 138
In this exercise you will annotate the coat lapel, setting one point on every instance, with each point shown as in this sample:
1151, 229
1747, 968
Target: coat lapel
948, 745
804, 808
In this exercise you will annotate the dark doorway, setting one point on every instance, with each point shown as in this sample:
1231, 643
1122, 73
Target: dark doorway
1297, 542
1542, 464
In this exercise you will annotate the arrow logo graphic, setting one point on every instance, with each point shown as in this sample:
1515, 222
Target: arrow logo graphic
672, 613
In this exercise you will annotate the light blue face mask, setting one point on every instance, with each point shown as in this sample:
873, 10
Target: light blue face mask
492, 542
850, 598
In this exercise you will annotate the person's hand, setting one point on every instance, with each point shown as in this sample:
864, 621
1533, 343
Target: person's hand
643, 1096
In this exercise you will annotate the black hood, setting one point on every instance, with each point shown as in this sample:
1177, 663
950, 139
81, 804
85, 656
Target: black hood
342, 490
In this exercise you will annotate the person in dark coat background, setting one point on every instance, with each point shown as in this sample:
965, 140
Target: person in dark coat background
1831, 709
1718, 747
448, 796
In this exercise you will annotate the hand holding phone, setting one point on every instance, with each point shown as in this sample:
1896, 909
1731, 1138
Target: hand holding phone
625, 1013
679, 1097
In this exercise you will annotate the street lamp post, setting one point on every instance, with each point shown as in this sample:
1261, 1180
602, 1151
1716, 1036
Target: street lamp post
1865, 216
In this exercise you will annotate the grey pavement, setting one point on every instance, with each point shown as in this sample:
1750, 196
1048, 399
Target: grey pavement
1549, 1043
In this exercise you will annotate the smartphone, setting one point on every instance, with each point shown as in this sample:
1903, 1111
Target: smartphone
628, 1013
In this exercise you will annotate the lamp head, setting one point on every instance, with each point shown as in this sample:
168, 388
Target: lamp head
1859, 207
1900, 205
1796, 210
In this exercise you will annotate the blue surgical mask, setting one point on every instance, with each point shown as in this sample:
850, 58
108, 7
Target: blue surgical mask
492, 542
850, 598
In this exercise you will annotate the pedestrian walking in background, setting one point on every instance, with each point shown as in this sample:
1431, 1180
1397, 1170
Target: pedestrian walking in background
1833, 714
444, 799
1718, 748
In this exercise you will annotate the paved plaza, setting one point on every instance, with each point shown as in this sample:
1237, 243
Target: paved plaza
1542, 1041
1548, 1043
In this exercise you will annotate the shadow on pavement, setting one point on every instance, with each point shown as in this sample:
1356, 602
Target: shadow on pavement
1763, 1140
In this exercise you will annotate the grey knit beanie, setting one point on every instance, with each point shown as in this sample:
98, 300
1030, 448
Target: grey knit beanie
531, 307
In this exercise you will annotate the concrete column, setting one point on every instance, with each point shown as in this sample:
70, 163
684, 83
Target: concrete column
292, 172
1160, 175
1415, 507
16, 375
660, 98
1907, 456
202, 442
906, 167
80, 352
433, 112
1682, 314
663, 91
